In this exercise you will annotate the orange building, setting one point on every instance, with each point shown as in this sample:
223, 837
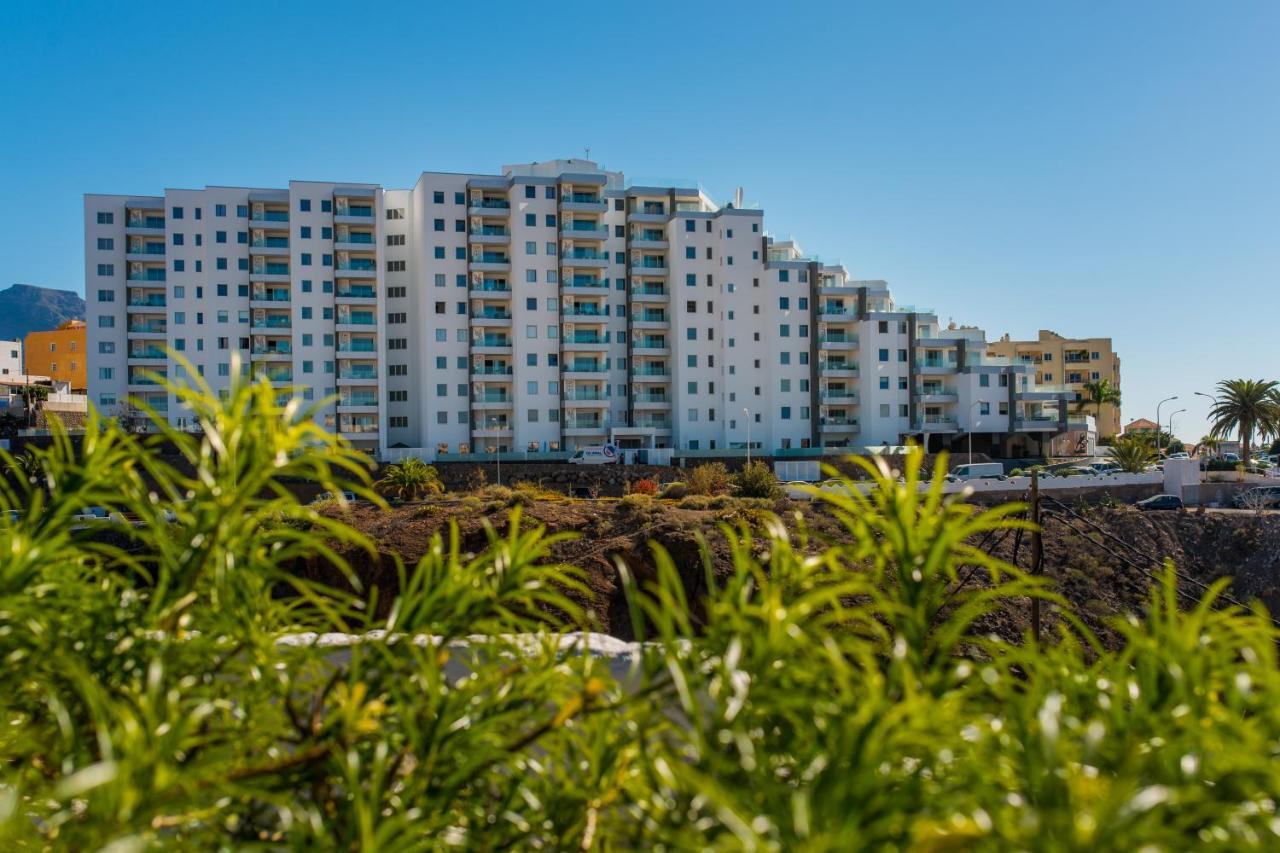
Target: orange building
59, 354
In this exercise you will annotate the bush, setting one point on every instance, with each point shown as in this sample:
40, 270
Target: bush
695, 502
635, 499
720, 502
531, 492
710, 478
171, 695
756, 480
410, 480
674, 491
644, 486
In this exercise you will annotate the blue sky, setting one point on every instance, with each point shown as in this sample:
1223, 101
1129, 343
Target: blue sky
1094, 168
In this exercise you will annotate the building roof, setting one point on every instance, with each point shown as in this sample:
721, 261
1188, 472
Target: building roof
1141, 424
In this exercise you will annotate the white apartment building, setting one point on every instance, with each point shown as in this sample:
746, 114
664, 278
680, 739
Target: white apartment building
11, 358
550, 307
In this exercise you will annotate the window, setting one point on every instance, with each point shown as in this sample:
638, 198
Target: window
531, 219
306, 259
398, 421
437, 197
398, 213
395, 239
397, 318
436, 224
530, 247
396, 292
984, 380
304, 205
106, 217
786, 413
106, 269
459, 198
396, 266
106, 372
177, 213
690, 225
106, 244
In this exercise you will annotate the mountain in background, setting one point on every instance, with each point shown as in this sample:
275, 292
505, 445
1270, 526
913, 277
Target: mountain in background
27, 308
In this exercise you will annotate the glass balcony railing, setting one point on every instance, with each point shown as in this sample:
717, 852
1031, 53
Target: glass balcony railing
146, 222
148, 352
493, 203
651, 234
493, 285
493, 231
362, 210
584, 367
353, 291
584, 311
357, 237
276, 349
652, 208
652, 264
152, 328
584, 423
277, 375
582, 198
586, 338
349, 399
586, 228
490, 258
270, 216
935, 363
651, 398
649, 290
156, 301
147, 275
493, 341
491, 314
358, 371
585, 394
587, 255
585, 281
837, 365
359, 265
838, 339
651, 343
492, 370
357, 319
488, 424
271, 296
653, 423
147, 379
651, 317
840, 394
147, 249
935, 390
352, 426
271, 269
358, 346
651, 371
492, 397
271, 243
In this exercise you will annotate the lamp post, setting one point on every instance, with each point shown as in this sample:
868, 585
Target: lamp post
1171, 414
746, 413
1213, 400
972, 406
497, 460
1158, 405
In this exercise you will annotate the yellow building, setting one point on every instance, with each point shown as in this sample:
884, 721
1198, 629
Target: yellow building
59, 354
1069, 363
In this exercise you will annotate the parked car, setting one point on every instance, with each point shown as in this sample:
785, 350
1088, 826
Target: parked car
798, 490
1231, 457
979, 471
1259, 497
1160, 502
1107, 468
597, 454
325, 497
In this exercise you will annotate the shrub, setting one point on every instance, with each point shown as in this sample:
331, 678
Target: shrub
720, 502
710, 478
757, 480
171, 695
674, 491
695, 502
644, 486
410, 480
531, 492
635, 499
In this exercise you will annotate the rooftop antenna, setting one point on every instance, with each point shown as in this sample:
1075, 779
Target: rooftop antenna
588, 154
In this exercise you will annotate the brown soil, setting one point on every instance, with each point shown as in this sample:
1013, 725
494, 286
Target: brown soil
1101, 563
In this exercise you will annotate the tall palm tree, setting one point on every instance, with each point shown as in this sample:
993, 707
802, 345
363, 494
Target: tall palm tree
1245, 406
1208, 445
1132, 454
1098, 394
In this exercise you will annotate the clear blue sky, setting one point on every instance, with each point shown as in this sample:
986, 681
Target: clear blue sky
1095, 168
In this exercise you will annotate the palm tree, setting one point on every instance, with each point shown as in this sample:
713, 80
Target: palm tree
1245, 406
1132, 454
1208, 444
1098, 394
410, 480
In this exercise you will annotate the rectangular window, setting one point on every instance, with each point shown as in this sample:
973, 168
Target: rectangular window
106, 217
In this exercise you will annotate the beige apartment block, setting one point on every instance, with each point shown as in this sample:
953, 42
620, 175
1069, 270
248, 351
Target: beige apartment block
1068, 364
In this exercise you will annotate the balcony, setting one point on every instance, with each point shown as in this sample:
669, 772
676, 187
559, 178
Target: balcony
142, 251
489, 285
271, 351
649, 211
358, 345
648, 238
584, 425
493, 343
583, 310
362, 319
838, 369
491, 427
359, 241
585, 258
279, 374
650, 319
835, 313
653, 423
352, 214
936, 423
147, 353
272, 321
834, 424
583, 202
490, 261
840, 397
269, 272
492, 399
146, 274
926, 366
358, 427
148, 327
584, 229
151, 300
491, 370
357, 372
586, 284
138, 222
356, 267
269, 295
1036, 423
650, 400
585, 340
262, 245
838, 342
584, 369
936, 394
147, 378
491, 316
649, 292
359, 399
495, 235
489, 206
650, 346
347, 290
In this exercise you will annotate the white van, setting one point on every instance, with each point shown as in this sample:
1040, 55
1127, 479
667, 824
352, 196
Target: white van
597, 454
979, 471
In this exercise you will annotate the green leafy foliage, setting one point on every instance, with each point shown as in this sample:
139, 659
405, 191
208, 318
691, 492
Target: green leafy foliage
410, 480
756, 480
709, 478
171, 682
1133, 455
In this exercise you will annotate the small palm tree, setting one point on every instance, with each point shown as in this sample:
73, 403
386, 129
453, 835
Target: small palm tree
410, 480
1132, 454
1246, 407
1208, 444
1098, 394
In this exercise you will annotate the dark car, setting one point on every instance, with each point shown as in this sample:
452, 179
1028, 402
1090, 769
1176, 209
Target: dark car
1160, 502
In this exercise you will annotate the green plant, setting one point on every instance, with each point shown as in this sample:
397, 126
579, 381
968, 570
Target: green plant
709, 478
1133, 455
695, 502
644, 486
1098, 394
674, 491
1246, 407
528, 492
410, 480
756, 480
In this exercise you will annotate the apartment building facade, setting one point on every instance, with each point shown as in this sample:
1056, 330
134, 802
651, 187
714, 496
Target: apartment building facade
1069, 364
553, 306
59, 354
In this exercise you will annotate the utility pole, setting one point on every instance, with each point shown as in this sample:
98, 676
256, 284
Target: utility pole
1037, 552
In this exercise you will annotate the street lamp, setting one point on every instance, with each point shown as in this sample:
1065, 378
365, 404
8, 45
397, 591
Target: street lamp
497, 460
746, 413
1158, 405
972, 406
1171, 414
